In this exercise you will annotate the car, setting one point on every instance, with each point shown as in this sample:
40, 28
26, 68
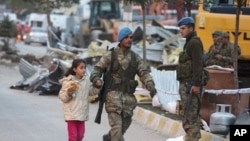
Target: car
37, 35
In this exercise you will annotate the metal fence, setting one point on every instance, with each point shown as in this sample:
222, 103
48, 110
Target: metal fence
167, 86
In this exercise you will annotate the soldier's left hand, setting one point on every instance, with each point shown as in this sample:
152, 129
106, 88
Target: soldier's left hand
195, 90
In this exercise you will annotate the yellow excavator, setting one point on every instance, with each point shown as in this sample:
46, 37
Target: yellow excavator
102, 17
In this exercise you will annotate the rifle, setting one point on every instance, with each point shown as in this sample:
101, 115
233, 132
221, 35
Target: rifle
102, 94
101, 97
190, 96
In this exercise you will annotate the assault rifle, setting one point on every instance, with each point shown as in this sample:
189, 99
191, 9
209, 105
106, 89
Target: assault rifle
102, 94
101, 97
190, 97
189, 100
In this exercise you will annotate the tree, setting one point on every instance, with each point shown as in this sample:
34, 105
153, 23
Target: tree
181, 4
188, 4
240, 3
21, 8
143, 4
7, 31
48, 5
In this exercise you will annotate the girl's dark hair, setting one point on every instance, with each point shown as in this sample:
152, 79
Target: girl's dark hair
75, 64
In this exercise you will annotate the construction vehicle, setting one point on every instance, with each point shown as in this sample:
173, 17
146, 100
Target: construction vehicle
100, 24
221, 15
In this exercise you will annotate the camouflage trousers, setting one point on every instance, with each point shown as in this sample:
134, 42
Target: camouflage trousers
119, 107
191, 122
119, 124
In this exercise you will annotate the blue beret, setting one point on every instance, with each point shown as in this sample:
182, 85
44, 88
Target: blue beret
124, 32
185, 21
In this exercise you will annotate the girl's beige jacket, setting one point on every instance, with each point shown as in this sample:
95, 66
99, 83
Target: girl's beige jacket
76, 107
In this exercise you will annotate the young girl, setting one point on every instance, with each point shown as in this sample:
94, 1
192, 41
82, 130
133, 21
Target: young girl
76, 88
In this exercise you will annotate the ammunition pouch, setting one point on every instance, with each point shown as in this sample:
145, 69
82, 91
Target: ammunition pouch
183, 71
117, 84
183, 57
114, 83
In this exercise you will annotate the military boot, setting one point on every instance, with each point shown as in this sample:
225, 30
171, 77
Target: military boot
106, 137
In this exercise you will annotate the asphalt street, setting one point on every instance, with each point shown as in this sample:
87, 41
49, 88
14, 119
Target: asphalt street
32, 117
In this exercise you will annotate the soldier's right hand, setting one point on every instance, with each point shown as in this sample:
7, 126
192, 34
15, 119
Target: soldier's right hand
195, 90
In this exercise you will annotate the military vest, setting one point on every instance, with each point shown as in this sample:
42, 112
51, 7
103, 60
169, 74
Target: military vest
120, 79
184, 69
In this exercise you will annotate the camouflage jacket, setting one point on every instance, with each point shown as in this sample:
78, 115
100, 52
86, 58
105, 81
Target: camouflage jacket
226, 51
211, 54
124, 58
118, 101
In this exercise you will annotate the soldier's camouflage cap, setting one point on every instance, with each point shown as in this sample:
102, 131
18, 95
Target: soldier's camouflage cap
217, 32
225, 34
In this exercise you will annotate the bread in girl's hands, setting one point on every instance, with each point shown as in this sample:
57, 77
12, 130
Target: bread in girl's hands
72, 86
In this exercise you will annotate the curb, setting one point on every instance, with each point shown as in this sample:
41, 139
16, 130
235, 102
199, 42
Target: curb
167, 126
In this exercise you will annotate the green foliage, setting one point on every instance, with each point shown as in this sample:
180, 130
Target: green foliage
7, 28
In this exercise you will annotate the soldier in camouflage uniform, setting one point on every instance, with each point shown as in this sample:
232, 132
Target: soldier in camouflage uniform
226, 40
189, 75
224, 55
122, 64
214, 48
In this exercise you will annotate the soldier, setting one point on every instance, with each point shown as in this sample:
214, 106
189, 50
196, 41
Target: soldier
120, 65
214, 48
226, 41
224, 56
189, 75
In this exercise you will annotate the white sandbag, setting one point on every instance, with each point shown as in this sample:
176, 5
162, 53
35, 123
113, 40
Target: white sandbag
155, 101
171, 107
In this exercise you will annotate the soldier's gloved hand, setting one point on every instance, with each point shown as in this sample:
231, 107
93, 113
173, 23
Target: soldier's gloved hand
151, 88
153, 92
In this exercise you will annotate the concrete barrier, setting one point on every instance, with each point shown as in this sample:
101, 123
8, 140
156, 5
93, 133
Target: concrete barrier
168, 126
